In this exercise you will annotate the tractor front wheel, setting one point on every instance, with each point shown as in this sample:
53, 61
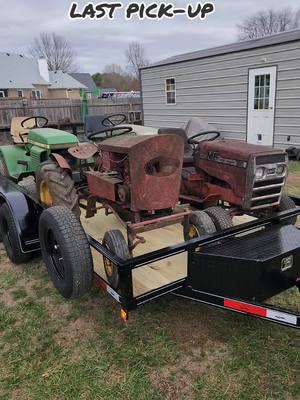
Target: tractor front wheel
287, 204
116, 243
55, 187
199, 224
220, 217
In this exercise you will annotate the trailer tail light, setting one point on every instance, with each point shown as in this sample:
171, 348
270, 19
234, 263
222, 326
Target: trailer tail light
261, 312
124, 314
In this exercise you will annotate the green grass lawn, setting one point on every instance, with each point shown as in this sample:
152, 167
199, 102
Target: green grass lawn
169, 349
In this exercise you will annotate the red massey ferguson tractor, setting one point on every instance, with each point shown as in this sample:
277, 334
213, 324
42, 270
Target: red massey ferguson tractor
239, 177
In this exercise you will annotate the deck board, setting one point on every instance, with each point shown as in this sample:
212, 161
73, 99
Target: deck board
154, 275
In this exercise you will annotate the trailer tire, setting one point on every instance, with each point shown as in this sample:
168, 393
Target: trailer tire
66, 251
220, 217
287, 204
199, 224
116, 243
54, 181
10, 236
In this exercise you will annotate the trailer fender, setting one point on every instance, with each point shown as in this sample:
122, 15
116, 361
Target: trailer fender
26, 213
61, 161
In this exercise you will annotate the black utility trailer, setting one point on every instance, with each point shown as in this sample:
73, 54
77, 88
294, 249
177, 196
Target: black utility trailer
236, 269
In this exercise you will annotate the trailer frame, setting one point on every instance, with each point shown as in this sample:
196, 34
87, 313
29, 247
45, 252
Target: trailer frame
26, 211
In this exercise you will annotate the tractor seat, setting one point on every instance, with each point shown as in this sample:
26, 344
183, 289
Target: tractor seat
188, 157
16, 129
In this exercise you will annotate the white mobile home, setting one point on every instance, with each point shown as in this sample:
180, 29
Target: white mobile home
249, 90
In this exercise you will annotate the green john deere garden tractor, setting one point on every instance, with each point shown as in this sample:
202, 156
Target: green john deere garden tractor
41, 152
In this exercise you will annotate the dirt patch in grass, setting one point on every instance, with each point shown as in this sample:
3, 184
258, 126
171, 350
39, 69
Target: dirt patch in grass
5, 264
81, 330
55, 310
175, 381
7, 298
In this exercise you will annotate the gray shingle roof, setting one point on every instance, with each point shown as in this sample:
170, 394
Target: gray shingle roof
19, 72
84, 78
62, 80
278, 38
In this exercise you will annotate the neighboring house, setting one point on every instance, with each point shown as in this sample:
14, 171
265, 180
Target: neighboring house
26, 78
64, 86
87, 80
249, 90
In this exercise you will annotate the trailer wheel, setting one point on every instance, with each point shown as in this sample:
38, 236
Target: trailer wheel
287, 204
10, 236
199, 224
220, 217
116, 243
55, 187
66, 251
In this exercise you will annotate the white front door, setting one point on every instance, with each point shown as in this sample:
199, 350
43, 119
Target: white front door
261, 105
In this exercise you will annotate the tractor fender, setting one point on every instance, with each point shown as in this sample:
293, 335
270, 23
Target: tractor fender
61, 161
25, 211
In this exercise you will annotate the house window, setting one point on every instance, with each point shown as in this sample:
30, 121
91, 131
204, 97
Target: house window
36, 94
20, 93
2, 94
262, 92
170, 91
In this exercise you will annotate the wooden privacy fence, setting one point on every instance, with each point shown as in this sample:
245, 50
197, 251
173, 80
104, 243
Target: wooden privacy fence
66, 109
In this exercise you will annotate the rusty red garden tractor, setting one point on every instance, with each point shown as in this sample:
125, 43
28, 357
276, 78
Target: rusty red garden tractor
137, 178
243, 178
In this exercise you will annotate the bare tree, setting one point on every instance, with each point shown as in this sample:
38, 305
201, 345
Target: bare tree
265, 23
56, 50
136, 57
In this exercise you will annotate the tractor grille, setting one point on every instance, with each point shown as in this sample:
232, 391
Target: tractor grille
267, 192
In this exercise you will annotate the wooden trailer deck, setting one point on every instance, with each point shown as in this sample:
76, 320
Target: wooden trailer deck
156, 274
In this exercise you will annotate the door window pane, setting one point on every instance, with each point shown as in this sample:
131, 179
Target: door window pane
262, 92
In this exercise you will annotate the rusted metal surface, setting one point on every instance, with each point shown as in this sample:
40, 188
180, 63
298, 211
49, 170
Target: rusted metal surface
103, 186
61, 161
83, 151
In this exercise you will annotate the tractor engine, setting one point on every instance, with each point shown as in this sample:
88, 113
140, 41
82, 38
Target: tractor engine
138, 173
250, 177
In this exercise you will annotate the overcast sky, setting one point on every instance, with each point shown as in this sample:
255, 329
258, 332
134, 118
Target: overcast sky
100, 42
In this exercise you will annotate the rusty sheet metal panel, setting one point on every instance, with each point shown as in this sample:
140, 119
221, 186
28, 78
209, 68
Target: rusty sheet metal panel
102, 185
155, 172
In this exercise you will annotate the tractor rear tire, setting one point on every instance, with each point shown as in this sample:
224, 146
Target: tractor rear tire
116, 243
199, 224
60, 186
29, 186
220, 218
287, 204
66, 252
3, 167
10, 236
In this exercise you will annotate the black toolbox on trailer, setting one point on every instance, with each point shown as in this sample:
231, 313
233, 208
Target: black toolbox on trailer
254, 267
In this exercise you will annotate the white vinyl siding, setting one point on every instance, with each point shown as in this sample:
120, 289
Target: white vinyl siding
216, 89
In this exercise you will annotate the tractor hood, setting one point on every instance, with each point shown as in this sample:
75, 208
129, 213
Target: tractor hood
233, 150
51, 138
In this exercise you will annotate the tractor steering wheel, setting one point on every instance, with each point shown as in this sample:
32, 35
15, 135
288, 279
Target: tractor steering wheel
191, 140
125, 129
114, 120
36, 124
